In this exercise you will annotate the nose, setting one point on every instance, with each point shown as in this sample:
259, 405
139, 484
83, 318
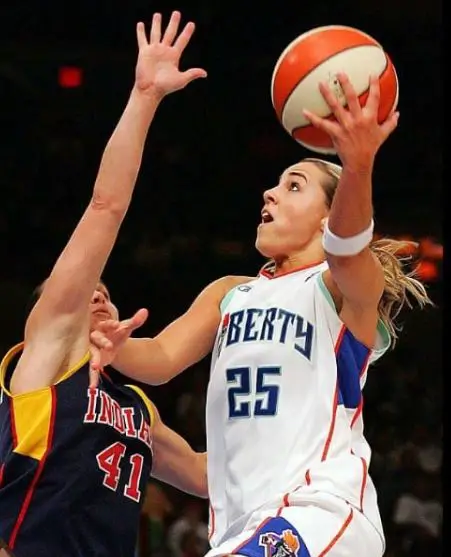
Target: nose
98, 298
269, 196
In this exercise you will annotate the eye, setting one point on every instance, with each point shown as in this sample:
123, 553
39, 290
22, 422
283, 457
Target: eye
294, 186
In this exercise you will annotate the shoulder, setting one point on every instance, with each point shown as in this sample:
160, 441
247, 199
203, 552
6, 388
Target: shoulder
229, 285
231, 281
220, 287
212, 296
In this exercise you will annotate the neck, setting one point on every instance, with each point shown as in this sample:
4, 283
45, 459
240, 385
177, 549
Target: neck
313, 255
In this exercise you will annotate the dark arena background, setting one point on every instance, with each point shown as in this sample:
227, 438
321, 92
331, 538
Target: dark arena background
65, 73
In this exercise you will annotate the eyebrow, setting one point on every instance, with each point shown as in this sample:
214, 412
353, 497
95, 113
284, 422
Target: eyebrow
299, 173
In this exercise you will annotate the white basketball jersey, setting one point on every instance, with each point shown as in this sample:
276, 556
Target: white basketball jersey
284, 402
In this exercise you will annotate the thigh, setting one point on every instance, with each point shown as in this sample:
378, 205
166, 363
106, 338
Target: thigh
326, 528
333, 528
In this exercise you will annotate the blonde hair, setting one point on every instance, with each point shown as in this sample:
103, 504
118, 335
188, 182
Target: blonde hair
401, 288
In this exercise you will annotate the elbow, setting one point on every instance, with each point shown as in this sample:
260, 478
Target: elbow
157, 381
201, 463
202, 494
196, 481
200, 489
109, 203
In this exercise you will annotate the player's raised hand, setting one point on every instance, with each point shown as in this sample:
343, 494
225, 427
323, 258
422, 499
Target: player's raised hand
355, 132
157, 68
106, 340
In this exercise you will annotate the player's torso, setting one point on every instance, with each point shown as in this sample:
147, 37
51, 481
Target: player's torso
271, 405
77, 479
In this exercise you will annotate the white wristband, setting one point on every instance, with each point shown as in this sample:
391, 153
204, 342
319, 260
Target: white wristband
335, 245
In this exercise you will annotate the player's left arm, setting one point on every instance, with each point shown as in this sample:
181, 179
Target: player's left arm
355, 281
175, 462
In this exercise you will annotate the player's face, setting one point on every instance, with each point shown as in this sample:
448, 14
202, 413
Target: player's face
101, 306
293, 213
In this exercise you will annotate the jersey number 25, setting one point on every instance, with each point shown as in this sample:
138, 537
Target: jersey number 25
240, 392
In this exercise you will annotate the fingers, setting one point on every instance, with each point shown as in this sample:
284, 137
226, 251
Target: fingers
337, 109
94, 376
155, 29
108, 326
352, 100
170, 33
141, 35
327, 126
95, 360
184, 37
172, 28
136, 321
351, 106
140, 317
352, 109
94, 368
390, 124
100, 341
193, 73
372, 103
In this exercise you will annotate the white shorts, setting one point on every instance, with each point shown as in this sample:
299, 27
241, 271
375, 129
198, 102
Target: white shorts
321, 525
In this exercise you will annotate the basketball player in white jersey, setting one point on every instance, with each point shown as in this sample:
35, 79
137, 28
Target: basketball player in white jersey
287, 459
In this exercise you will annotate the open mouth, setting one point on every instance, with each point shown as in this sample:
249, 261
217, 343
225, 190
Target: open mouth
266, 217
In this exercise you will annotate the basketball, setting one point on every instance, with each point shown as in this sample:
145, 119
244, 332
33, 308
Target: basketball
316, 56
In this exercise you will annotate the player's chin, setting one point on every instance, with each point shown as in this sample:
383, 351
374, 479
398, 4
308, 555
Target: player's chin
264, 243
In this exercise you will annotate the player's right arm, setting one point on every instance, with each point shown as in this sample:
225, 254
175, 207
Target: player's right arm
61, 310
61, 314
181, 344
175, 462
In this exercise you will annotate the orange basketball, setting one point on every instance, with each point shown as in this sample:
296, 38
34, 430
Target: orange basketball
318, 55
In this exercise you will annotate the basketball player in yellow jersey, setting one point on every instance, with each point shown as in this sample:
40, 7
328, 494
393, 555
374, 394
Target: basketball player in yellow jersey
75, 460
287, 458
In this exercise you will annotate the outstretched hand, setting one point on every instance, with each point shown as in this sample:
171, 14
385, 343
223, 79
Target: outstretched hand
356, 132
106, 340
157, 68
